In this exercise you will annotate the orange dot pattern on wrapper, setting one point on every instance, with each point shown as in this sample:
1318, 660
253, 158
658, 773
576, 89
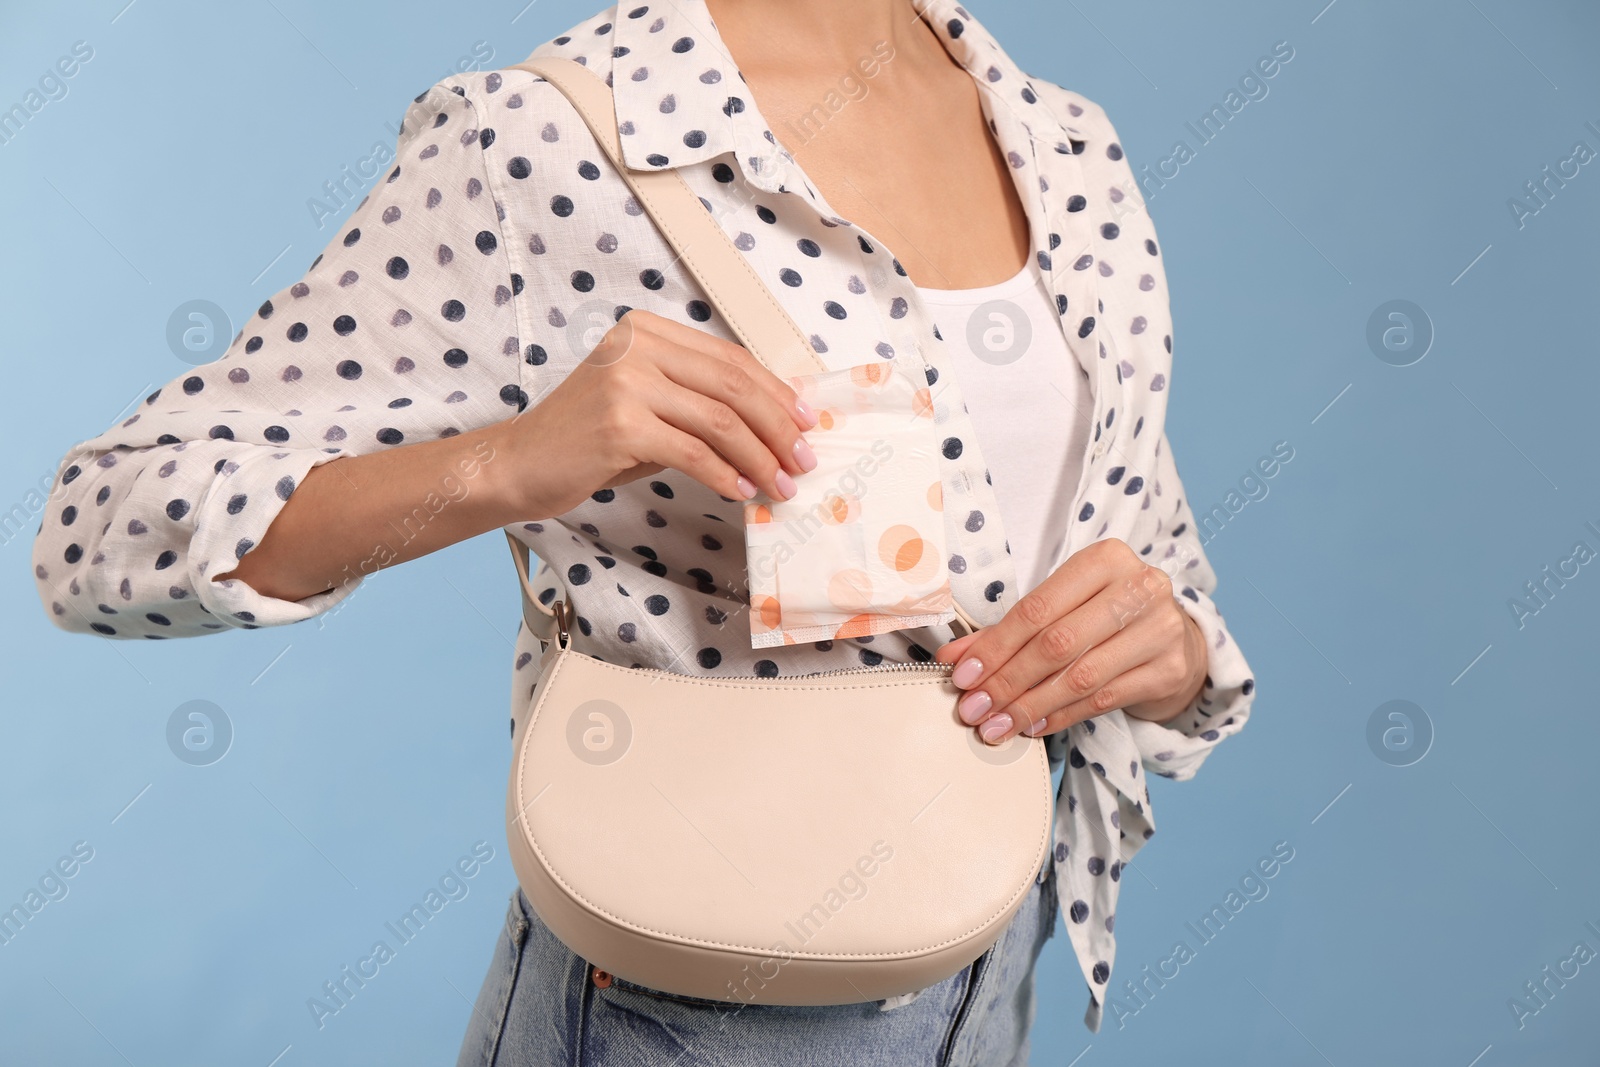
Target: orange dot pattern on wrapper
766, 612
839, 509
864, 624
936, 496
922, 403
869, 375
904, 551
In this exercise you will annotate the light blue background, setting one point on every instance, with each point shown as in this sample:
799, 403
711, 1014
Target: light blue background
1378, 567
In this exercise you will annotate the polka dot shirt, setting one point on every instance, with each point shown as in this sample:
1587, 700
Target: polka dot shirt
487, 262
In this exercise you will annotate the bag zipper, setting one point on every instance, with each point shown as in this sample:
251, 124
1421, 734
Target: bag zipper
941, 668
563, 615
888, 668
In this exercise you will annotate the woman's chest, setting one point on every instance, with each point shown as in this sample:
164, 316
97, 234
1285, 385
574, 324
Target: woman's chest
937, 187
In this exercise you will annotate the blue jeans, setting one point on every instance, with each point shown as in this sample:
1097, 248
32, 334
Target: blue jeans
540, 1006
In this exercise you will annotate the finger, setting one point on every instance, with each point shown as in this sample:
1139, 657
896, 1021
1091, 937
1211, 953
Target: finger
1123, 671
737, 387
1059, 647
730, 352
1085, 574
1134, 687
780, 389
686, 452
1135, 645
721, 428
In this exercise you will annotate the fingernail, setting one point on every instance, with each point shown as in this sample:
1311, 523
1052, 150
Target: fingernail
1037, 728
973, 705
803, 409
803, 454
747, 487
786, 486
996, 728
966, 672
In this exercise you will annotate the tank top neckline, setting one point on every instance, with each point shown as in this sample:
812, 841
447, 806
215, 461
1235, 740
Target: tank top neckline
1009, 287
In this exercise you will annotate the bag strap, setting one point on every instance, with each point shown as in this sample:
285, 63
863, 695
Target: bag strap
545, 623
687, 224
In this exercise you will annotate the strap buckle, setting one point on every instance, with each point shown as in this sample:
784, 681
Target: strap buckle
563, 616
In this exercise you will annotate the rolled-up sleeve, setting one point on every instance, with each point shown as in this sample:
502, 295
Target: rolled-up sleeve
1177, 748
403, 330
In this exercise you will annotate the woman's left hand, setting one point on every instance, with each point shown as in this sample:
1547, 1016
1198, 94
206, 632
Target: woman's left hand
1102, 632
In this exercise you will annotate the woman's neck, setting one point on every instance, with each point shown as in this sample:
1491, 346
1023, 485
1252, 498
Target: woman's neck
798, 38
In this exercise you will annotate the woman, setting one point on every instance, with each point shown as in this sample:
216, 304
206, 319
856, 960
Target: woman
500, 338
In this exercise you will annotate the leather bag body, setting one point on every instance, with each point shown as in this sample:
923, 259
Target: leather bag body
824, 839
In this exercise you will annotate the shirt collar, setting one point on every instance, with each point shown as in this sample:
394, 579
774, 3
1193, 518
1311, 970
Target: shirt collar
667, 54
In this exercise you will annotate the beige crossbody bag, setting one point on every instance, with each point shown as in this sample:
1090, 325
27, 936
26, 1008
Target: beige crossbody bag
824, 839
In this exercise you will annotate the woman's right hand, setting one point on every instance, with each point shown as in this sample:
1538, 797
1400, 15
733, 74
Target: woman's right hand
655, 394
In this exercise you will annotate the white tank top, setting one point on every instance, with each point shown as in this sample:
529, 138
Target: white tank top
1030, 405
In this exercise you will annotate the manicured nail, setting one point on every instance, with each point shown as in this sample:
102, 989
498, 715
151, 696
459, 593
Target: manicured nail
1037, 728
807, 416
803, 455
966, 672
747, 487
996, 728
786, 486
973, 705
